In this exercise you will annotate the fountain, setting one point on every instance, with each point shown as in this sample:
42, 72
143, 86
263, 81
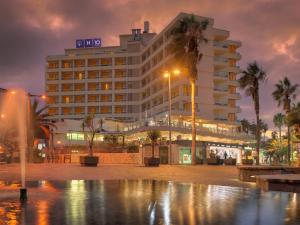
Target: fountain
14, 110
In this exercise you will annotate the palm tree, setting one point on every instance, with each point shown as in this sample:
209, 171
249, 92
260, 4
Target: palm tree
245, 125
284, 92
186, 46
153, 135
278, 121
293, 119
249, 82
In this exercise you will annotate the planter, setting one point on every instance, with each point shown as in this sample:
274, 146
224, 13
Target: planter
89, 160
247, 161
212, 161
151, 161
230, 161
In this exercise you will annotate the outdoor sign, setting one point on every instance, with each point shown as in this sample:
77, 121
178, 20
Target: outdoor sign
88, 43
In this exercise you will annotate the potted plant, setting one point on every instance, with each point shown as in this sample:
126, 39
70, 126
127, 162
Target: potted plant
153, 135
247, 160
90, 159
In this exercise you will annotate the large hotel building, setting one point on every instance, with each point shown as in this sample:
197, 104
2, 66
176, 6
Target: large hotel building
125, 83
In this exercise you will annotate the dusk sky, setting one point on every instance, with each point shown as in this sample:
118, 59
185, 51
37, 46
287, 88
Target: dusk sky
32, 29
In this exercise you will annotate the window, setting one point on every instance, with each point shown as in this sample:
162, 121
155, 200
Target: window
232, 48
186, 106
52, 87
92, 109
93, 74
66, 99
79, 63
53, 64
231, 102
106, 74
92, 86
106, 62
79, 87
79, 75
92, 98
120, 73
79, 110
67, 76
93, 62
66, 110
106, 86
52, 76
120, 61
52, 111
105, 98
79, 98
119, 109
105, 109
52, 99
232, 89
231, 62
231, 117
232, 76
66, 87
120, 85
119, 97
67, 64
175, 92
75, 136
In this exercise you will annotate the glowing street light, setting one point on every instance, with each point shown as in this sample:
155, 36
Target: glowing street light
168, 74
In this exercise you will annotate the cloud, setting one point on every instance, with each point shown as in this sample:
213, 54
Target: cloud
32, 29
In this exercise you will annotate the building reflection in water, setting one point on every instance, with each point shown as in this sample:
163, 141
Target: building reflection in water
148, 202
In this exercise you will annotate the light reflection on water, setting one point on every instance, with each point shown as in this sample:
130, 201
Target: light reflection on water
82, 202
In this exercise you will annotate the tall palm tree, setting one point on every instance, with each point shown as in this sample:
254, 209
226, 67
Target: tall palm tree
187, 43
284, 93
249, 82
245, 125
278, 121
293, 119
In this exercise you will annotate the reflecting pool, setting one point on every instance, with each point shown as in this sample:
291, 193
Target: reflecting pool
82, 202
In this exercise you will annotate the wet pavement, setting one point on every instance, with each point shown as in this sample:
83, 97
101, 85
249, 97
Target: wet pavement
83, 202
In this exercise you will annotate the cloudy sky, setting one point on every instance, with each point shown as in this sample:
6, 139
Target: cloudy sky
32, 29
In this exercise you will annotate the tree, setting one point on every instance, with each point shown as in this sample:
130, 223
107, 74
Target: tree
249, 82
278, 121
245, 125
187, 43
88, 122
284, 93
293, 119
153, 135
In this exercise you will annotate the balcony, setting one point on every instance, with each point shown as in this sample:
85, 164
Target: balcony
220, 89
222, 74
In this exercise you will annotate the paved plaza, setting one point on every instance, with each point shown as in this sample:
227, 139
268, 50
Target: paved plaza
201, 174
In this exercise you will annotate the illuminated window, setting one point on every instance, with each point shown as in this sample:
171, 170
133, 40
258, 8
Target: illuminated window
120, 73
92, 98
79, 75
75, 136
231, 117
232, 48
52, 111
92, 86
106, 61
120, 61
232, 102
79, 87
187, 90
66, 87
52, 87
119, 97
232, 76
175, 92
106, 74
186, 106
105, 109
66, 99
231, 62
93, 62
93, 74
66, 64
52, 99
53, 64
92, 109
105, 85
67, 76
52, 76
120, 85
232, 89
79, 63
79, 98
105, 98
79, 110
66, 110
119, 109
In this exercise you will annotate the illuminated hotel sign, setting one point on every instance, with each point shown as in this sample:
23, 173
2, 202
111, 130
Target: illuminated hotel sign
88, 43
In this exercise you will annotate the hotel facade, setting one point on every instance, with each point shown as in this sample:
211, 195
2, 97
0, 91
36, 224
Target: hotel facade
125, 84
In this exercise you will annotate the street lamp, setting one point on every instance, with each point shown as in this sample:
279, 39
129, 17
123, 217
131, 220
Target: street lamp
168, 74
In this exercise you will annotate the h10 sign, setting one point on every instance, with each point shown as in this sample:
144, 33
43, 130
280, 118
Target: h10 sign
88, 43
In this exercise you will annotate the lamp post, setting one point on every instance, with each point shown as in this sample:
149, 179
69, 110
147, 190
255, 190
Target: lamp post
168, 74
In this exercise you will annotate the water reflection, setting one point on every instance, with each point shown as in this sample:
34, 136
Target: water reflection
145, 202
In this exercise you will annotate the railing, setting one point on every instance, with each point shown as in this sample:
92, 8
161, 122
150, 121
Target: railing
221, 74
221, 59
221, 44
221, 89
